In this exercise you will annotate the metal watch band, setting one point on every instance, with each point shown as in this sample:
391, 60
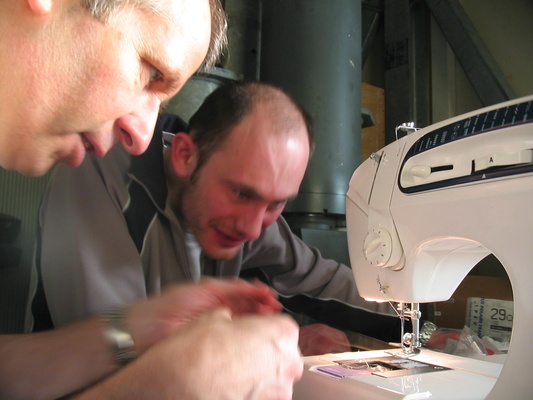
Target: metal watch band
119, 339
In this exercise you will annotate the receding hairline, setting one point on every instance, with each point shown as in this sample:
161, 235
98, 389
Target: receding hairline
281, 108
103, 9
286, 114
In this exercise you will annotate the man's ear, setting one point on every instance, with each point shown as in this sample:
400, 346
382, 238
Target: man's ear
184, 155
41, 7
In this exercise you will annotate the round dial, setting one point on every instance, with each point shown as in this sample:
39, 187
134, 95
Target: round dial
377, 247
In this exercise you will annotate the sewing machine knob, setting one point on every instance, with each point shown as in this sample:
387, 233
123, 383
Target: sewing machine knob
377, 247
420, 171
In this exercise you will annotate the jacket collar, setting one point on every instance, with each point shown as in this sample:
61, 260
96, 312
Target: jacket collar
148, 168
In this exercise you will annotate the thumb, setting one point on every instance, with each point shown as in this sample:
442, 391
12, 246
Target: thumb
221, 313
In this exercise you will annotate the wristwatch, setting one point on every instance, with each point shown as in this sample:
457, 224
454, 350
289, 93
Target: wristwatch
121, 342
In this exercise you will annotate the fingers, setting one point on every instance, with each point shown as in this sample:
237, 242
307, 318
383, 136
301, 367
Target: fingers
222, 314
151, 320
439, 339
280, 359
241, 296
247, 357
219, 355
272, 392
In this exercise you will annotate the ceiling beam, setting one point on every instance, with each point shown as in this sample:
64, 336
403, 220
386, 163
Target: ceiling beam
476, 60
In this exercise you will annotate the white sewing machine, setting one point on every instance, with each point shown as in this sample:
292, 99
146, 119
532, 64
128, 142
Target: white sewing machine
421, 213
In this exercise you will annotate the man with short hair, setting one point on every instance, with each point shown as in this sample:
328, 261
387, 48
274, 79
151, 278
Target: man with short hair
77, 77
76, 83
208, 205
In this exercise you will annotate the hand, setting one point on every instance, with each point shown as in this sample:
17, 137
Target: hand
154, 319
439, 338
214, 357
321, 339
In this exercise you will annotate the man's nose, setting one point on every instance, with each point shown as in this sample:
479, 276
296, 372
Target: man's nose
250, 223
136, 129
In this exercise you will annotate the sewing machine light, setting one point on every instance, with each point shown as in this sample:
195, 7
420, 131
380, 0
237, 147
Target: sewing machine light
375, 300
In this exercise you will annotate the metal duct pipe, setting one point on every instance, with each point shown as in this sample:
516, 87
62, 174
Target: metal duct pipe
187, 101
312, 49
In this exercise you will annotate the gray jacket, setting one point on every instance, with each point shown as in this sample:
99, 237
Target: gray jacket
108, 237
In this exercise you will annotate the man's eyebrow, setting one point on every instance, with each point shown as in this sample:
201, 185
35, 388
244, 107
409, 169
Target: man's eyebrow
174, 80
255, 194
173, 83
245, 189
170, 71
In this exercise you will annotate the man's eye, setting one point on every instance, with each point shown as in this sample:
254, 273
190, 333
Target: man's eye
239, 194
155, 74
277, 205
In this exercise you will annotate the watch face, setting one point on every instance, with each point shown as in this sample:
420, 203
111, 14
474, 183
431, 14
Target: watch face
120, 341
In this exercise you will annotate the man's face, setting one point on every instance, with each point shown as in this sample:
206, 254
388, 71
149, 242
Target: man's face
244, 186
100, 83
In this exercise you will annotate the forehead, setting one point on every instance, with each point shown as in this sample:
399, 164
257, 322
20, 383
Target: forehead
176, 36
270, 162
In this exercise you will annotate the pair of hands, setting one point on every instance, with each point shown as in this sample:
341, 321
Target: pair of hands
152, 320
155, 319
214, 357
215, 339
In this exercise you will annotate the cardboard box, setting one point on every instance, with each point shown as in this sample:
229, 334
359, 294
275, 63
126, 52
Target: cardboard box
490, 317
452, 313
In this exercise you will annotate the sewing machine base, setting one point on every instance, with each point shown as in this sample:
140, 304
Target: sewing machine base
453, 378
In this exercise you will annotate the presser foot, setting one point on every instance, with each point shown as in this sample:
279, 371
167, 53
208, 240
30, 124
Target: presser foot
405, 352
